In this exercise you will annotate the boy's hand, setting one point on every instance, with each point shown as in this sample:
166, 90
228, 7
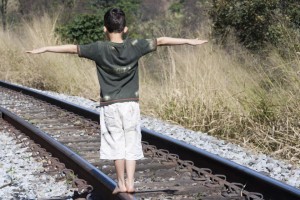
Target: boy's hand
37, 51
196, 41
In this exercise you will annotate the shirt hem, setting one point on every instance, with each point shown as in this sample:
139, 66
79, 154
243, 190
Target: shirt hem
106, 103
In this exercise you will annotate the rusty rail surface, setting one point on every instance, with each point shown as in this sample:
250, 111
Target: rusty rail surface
163, 174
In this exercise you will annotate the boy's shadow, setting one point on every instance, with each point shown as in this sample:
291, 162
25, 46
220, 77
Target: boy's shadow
167, 191
98, 196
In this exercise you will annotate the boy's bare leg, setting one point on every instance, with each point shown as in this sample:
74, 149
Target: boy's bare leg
130, 169
120, 168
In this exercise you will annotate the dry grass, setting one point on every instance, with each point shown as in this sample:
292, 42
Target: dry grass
61, 73
234, 96
207, 89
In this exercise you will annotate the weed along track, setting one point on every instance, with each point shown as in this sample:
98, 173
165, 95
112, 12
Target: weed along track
171, 169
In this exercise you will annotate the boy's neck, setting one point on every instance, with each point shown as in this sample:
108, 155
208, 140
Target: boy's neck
115, 37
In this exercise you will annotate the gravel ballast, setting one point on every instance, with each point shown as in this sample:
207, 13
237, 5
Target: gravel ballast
22, 177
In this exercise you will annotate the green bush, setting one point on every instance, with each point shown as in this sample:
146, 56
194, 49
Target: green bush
83, 29
252, 21
177, 6
291, 8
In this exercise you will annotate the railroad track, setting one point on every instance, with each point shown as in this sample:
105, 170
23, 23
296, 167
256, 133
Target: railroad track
171, 169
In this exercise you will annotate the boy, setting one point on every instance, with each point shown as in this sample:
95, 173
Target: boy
117, 69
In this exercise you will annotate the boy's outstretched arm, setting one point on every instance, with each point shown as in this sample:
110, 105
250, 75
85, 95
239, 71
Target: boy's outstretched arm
177, 41
69, 48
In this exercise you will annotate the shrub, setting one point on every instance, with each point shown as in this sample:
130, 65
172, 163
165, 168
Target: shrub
291, 8
254, 22
83, 29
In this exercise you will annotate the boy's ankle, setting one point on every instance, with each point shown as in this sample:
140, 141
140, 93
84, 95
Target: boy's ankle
121, 182
129, 182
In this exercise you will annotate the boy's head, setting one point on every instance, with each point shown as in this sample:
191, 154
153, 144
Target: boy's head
114, 20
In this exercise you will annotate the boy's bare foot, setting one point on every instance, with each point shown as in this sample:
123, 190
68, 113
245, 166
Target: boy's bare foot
130, 186
119, 189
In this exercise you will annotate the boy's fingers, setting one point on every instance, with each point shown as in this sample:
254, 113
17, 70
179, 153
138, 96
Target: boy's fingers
35, 51
202, 41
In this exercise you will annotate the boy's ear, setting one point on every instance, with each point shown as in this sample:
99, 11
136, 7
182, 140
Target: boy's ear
104, 29
125, 29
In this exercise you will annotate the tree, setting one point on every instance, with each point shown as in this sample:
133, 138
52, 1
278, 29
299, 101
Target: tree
4, 13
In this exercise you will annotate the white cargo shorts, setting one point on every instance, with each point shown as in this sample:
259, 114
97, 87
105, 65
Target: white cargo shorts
120, 131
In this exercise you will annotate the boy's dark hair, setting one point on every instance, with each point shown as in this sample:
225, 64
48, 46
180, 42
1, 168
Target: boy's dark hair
114, 20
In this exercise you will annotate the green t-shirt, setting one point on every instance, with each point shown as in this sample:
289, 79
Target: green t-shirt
117, 67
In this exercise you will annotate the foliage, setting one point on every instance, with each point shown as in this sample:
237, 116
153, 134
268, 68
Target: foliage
291, 8
177, 6
128, 6
83, 29
295, 15
254, 22
4, 13
258, 24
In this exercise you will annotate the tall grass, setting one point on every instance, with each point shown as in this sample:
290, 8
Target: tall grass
233, 95
61, 73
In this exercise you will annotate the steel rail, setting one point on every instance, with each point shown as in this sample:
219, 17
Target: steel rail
254, 181
102, 184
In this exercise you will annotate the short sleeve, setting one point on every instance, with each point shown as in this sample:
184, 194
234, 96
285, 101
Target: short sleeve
146, 45
89, 51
